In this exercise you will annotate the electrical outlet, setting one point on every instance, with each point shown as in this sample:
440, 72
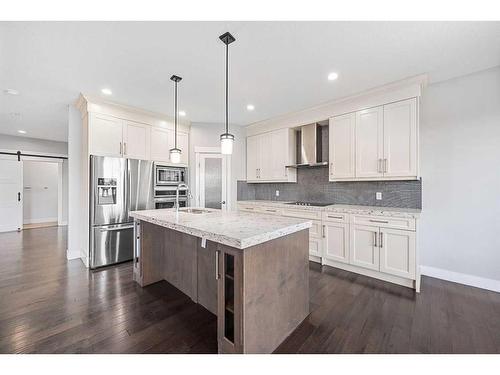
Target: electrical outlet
277, 193
378, 196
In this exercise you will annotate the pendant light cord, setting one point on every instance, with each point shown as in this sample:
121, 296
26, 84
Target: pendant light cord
175, 107
227, 87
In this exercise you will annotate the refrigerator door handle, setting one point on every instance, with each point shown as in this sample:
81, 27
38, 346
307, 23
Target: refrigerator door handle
116, 228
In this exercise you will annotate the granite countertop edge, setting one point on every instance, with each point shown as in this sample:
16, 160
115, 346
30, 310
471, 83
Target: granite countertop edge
344, 208
238, 243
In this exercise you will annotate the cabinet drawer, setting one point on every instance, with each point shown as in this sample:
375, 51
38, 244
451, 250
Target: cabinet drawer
270, 210
384, 221
336, 217
303, 214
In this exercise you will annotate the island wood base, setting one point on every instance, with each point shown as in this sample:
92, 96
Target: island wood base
259, 294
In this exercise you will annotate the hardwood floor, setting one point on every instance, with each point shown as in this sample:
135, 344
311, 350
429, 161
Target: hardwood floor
51, 305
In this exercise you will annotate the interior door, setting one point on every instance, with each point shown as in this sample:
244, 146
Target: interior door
106, 136
369, 142
11, 187
342, 146
212, 192
397, 252
400, 139
336, 242
364, 251
136, 140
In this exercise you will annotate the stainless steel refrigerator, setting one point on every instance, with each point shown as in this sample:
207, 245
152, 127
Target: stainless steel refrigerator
117, 186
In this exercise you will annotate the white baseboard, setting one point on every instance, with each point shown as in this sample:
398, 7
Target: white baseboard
41, 220
461, 278
70, 255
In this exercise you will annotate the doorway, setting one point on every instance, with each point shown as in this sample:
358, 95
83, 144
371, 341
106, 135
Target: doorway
41, 194
31, 192
212, 178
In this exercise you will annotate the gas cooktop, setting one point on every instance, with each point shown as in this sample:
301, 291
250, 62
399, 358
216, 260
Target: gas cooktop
316, 204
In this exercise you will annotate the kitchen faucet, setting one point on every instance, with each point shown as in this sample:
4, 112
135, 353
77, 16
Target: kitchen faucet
181, 185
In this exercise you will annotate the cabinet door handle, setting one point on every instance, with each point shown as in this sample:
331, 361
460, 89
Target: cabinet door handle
19, 197
217, 276
121, 148
335, 217
125, 148
324, 229
381, 239
375, 239
385, 165
379, 166
331, 168
379, 221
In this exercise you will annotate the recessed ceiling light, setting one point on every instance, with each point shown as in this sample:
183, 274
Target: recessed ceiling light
182, 113
106, 91
10, 92
22, 131
333, 76
250, 107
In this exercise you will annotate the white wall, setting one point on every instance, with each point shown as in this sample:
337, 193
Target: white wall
460, 162
40, 193
27, 145
74, 184
208, 135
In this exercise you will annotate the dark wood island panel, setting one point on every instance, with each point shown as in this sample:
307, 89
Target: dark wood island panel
260, 294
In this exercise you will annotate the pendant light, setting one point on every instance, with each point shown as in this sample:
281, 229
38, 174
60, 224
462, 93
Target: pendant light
226, 139
175, 153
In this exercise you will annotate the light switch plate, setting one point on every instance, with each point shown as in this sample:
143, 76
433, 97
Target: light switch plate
378, 196
277, 193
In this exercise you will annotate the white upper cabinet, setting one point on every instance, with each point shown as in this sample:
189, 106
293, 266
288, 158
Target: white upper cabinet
161, 143
105, 136
268, 155
162, 140
369, 142
400, 139
379, 143
136, 140
253, 158
183, 145
342, 146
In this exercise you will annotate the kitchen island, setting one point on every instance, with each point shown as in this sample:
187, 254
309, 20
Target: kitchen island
251, 270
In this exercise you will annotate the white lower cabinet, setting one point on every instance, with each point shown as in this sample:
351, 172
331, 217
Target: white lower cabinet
397, 252
336, 242
378, 246
364, 247
315, 246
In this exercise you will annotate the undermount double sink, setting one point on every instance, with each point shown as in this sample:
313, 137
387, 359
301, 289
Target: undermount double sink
194, 211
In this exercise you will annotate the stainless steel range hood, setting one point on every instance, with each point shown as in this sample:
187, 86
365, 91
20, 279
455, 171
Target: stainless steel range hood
310, 146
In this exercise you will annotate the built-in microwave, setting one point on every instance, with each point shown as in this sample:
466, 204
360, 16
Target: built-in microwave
165, 175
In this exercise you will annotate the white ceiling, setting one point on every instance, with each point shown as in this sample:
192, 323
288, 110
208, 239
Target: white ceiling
277, 66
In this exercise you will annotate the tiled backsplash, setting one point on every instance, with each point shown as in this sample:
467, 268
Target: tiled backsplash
313, 186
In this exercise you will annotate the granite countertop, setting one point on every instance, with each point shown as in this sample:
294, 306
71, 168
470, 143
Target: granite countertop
345, 208
236, 229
